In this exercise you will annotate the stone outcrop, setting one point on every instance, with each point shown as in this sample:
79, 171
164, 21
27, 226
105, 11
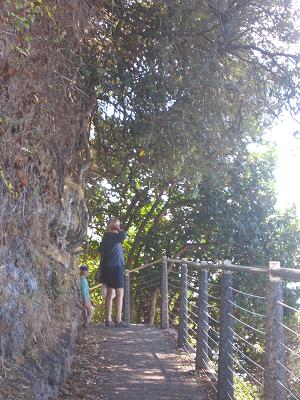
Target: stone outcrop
46, 102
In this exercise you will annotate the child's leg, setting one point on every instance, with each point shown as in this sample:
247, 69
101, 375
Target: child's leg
89, 309
108, 304
85, 316
119, 303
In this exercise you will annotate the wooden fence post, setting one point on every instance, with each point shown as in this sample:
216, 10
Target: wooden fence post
202, 324
164, 294
225, 366
127, 297
183, 310
274, 374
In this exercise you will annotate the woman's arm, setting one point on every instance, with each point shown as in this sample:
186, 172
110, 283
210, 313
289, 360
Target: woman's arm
121, 235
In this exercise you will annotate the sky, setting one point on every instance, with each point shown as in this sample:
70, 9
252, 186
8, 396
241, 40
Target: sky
287, 173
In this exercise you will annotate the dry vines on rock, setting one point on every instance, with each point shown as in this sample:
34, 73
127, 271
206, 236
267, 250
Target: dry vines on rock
46, 101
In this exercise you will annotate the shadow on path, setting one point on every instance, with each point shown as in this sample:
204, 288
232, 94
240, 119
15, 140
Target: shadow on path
133, 363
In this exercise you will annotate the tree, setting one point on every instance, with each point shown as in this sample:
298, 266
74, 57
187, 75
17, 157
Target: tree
184, 87
223, 217
199, 79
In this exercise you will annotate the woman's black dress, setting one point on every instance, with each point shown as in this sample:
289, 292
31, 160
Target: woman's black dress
113, 259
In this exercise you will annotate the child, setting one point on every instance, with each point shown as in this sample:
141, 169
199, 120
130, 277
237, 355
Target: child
85, 295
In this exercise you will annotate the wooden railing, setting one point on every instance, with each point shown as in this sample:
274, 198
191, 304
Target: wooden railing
273, 384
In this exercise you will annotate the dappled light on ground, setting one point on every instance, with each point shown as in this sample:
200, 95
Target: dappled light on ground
133, 363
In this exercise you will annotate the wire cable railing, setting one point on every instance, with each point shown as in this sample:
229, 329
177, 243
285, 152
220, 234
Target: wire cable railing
291, 347
234, 334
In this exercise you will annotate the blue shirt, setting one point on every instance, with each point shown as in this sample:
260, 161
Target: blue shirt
84, 289
111, 249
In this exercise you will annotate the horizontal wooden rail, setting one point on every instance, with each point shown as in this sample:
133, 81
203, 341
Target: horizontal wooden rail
130, 271
221, 267
285, 273
95, 287
145, 266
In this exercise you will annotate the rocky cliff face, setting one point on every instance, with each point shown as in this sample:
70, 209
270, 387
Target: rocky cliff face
40, 311
45, 103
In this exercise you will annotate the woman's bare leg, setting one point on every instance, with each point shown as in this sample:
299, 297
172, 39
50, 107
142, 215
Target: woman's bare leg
119, 303
108, 304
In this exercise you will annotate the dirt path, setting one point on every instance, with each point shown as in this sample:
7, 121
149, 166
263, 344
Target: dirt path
135, 363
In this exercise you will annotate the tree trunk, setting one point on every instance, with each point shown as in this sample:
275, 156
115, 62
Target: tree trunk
152, 305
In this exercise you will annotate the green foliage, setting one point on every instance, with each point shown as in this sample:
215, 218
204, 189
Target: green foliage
99, 310
183, 89
229, 215
243, 389
199, 79
25, 13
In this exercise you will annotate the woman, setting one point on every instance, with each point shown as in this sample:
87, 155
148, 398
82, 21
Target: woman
113, 274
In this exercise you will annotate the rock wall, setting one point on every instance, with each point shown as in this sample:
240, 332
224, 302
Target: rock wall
39, 311
46, 101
